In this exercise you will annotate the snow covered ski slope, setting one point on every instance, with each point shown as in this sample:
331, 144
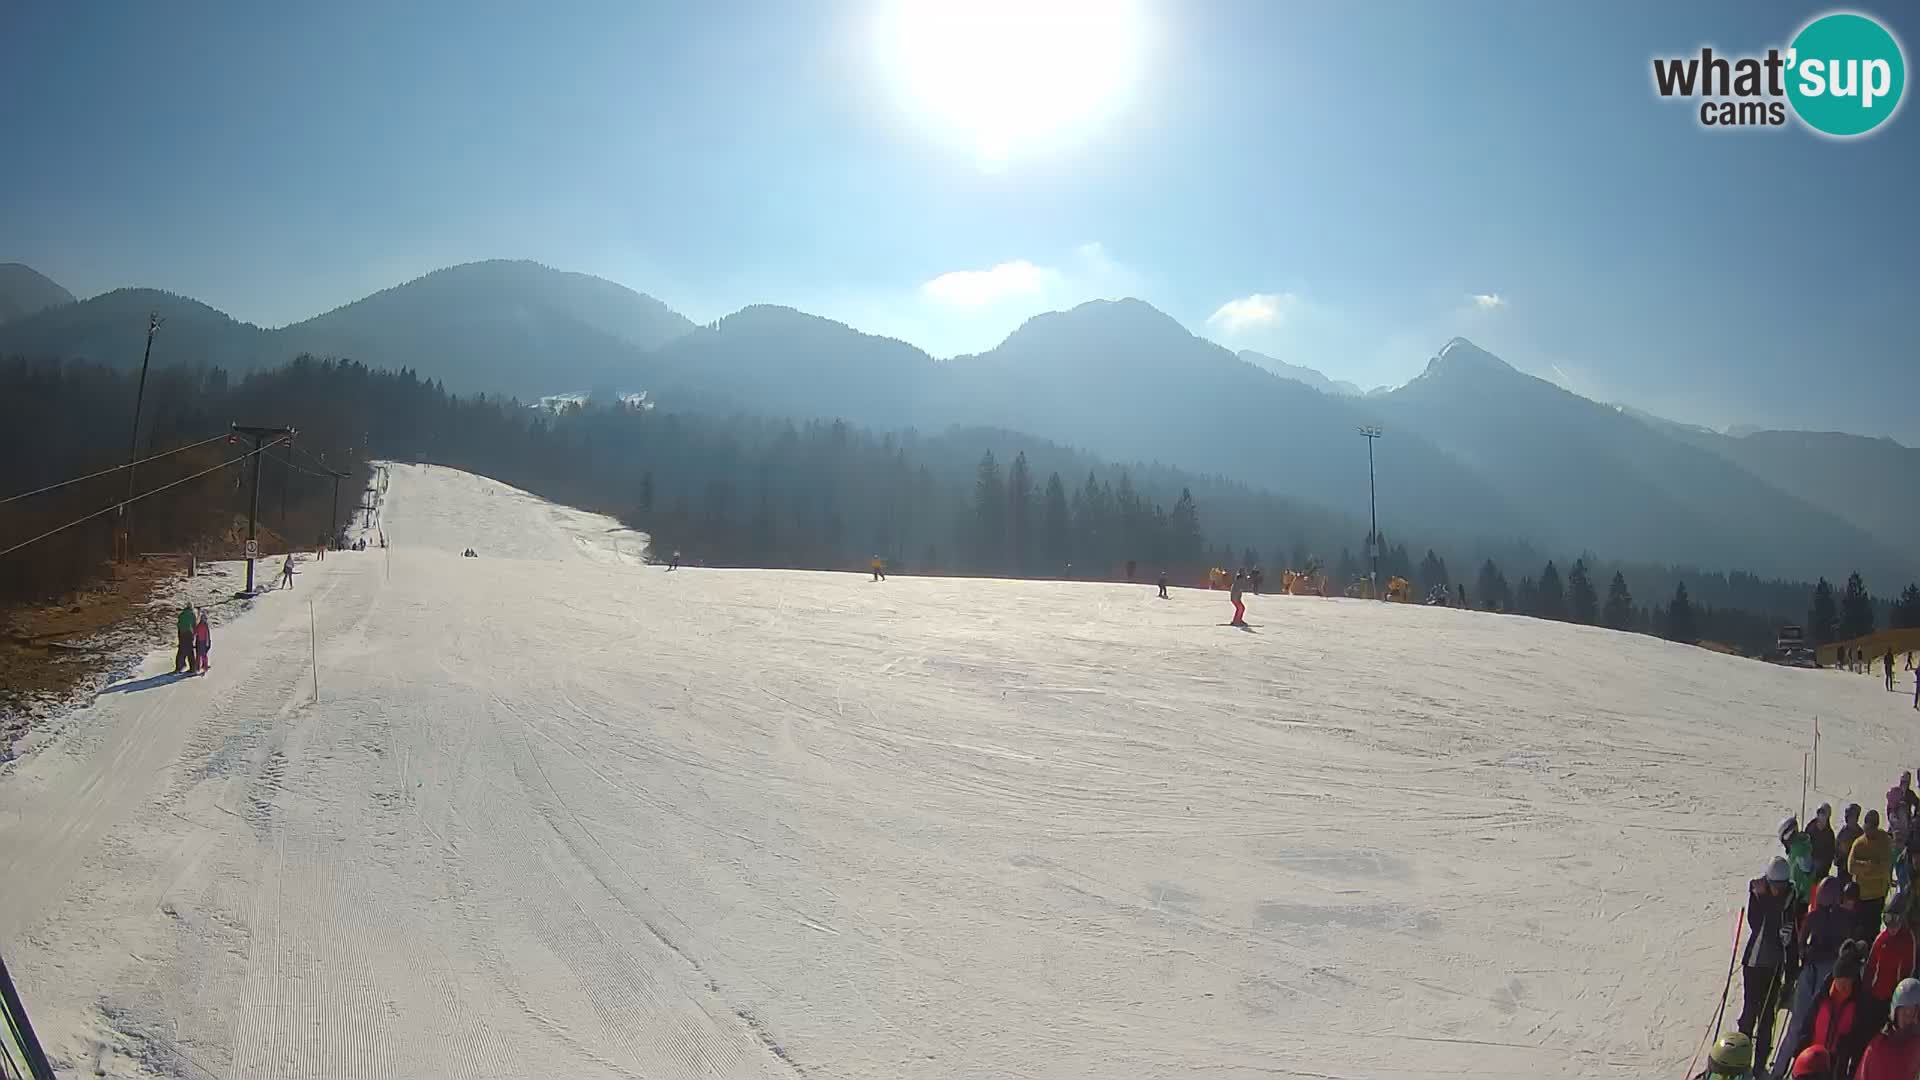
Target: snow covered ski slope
558, 813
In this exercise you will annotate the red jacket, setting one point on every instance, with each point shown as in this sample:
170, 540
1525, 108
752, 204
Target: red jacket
1834, 1022
1892, 959
1892, 1055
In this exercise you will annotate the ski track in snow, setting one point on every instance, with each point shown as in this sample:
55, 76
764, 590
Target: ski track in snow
557, 812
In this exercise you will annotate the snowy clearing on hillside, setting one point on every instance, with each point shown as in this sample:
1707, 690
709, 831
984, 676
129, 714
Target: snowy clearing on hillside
560, 813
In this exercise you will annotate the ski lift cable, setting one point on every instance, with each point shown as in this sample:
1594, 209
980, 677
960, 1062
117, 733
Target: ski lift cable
104, 472
142, 495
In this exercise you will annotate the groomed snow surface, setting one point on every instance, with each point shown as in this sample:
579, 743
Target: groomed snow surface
559, 813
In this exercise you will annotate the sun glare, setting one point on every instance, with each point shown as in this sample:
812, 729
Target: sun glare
1006, 77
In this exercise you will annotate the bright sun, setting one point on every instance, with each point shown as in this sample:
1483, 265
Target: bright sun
1006, 76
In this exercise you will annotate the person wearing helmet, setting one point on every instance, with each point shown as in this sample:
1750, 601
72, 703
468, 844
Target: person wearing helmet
1814, 1063
1838, 1026
1843, 841
1820, 836
1892, 958
1827, 927
1894, 1054
1730, 1059
1871, 864
1799, 849
1764, 963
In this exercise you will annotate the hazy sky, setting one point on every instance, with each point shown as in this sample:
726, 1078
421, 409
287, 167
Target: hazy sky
1337, 186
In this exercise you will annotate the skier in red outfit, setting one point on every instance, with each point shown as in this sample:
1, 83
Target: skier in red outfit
1894, 1054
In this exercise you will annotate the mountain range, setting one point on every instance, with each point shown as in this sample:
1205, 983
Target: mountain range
1300, 374
1473, 448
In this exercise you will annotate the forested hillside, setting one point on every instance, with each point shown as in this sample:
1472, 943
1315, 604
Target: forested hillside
758, 491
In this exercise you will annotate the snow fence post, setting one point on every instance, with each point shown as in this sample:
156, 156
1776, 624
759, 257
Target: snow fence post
1816, 751
313, 638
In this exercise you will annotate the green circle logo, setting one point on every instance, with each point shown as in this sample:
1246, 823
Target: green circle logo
1845, 74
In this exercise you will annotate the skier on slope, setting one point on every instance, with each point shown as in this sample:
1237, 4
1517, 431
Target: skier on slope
1771, 920
1799, 849
202, 643
1843, 842
286, 572
183, 640
1837, 1023
1239, 608
1894, 1054
1820, 836
879, 568
1894, 956
1871, 864
1163, 586
1826, 928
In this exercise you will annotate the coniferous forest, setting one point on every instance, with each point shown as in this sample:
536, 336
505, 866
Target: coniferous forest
772, 492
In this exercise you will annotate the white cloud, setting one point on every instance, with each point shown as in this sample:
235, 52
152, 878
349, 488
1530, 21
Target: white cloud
1489, 301
1258, 311
972, 288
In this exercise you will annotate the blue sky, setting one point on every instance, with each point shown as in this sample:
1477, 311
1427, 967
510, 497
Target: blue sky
1337, 186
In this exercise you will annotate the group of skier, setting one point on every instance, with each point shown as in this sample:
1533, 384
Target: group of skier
193, 641
1831, 940
1855, 659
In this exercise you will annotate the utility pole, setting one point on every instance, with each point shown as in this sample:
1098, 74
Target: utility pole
133, 439
259, 435
333, 535
1373, 514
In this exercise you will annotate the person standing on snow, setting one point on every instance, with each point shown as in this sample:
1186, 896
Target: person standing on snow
183, 640
1894, 956
1894, 1054
1887, 662
1771, 919
1730, 1059
1827, 927
1820, 836
202, 643
879, 568
286, 572
1799, 848
1239, 608
1871, 864
1838, 1026
1843, 842
1163, 586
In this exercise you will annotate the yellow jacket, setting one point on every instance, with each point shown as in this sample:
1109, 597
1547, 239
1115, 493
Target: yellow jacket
1870, 861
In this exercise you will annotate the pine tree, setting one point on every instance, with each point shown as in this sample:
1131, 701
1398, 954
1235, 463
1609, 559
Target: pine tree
1433, 572
1583, 605
1856, 609
990, 515
1906, 610
1680, 623
1526, 598
1550, 601
1461, 598
1056, 528
1491, 586
1020, 514
1184, 542
1618, 613
1823, 618
1345, 571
